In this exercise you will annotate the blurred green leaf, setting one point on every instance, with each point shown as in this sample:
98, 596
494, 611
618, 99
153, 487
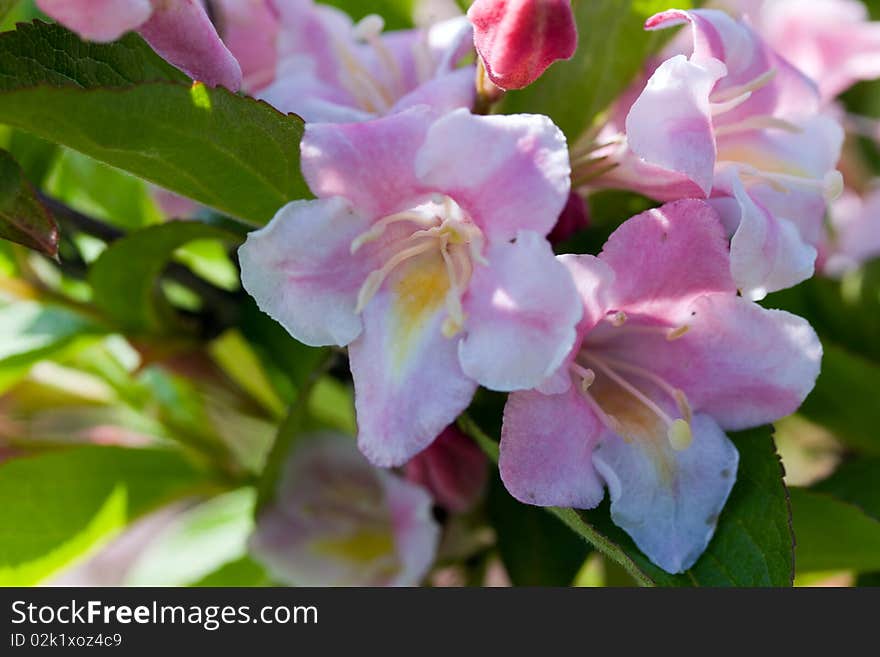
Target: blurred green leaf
23, 219
6, 6
241, 572
47, 53
236, 358
612, 48
398, 14
536, 549
856, 482
197, 542
845, 398
69, 501
101, 191
35, 156
124, 276
832, 534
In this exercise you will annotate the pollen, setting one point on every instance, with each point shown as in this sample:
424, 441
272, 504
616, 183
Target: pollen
680, 435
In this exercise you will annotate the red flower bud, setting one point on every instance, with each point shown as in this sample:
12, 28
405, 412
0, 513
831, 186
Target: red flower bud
518, 39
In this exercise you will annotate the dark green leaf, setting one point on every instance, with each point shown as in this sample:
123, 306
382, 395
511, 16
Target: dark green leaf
612, 48
537, 549
46, 53
832, 534
856, 482
23, 219
35, 155
845, 398
124, 276
230, 152
67, 501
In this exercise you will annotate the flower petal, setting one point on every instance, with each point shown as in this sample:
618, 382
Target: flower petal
766, 253
443, 93
669, 501
738, 362
300, 270
670, 124
182, 33
664, 258
98, 20
511, 172
521, 312
250, 31
371, 164
408, 382
547, 444
416, 533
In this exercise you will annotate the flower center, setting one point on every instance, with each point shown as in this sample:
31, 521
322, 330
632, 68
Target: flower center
439, 226
377, 89
620, 403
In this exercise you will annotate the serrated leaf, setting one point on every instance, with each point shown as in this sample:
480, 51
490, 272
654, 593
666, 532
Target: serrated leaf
832, 534
612, 48
23, 219
536, 549
47, 53
124, 277
232, 153
68, 501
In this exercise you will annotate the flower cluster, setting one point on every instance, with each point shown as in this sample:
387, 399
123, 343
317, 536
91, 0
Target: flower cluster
425, 252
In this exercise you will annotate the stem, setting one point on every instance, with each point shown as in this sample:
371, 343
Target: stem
571, 518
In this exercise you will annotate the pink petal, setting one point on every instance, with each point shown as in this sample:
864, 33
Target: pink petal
250, 31
669, 501
521, 314
547, 444
443, 93
182, 33
408, 382
98, 20
416, 534
670, 125
371, 164
300, 270
664, 258
743, 365
519, 39
511, 172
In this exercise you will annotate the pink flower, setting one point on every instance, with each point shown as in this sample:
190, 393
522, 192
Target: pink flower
334, 71
668, 358
250, 30
453, 468
855, 232
424, 252
737, 123
337, 521
518, 39
832, 41
179, 30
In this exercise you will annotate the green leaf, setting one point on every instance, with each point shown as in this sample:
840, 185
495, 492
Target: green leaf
6, 6
536, 549
69, 501
47, 53
35, 156
233, 153
845, 398
612, 48
833, 534
197, 542
30, 331
23, 219
124, 276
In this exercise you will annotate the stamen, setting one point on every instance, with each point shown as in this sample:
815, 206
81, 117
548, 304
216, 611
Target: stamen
680, 435
831, 185
378, 229
618, 319
610, 422
587, 376
717, 109
376, 277
675, 334
750, 86
676, 394
758, 123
